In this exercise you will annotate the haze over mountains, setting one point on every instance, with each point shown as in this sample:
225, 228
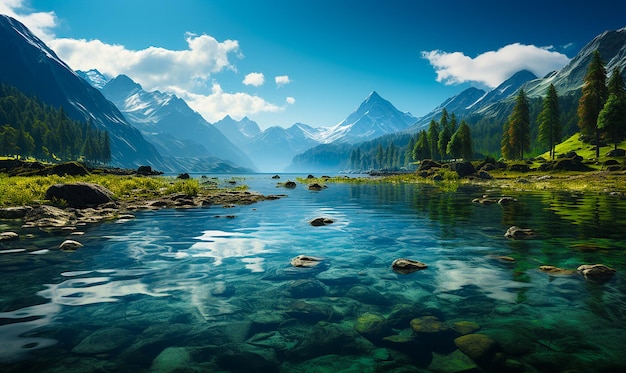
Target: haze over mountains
161, 130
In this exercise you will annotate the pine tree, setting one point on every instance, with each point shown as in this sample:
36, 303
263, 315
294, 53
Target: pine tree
444, 139
433, 139
612, 120
594, 96
460, 145
421, 150
550, 129
518, 131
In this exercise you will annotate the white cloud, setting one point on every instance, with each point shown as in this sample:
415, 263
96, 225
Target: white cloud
153, 67
39, 23
282, 80
218, 104
255, 79
188, 73
290, 100
493, 67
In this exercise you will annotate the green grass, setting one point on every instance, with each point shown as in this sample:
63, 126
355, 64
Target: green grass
584, 150
26, 190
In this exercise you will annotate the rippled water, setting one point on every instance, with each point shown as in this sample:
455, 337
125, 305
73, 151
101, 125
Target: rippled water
212, 289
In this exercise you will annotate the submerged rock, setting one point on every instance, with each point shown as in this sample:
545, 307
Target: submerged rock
428, 324
517, 233
556, 270
171, 360
466, 327
307, 288
318, 222
305, 261
366, 295
103, 341
597, 272
476, 346
372, 326
406, 266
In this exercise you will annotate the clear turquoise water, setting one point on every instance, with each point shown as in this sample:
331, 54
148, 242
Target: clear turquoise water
212, 289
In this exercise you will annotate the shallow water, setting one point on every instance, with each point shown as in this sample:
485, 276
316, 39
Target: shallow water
212, 289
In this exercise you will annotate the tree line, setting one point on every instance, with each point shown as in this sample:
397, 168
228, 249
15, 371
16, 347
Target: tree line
601, 115
30, 128
444, 140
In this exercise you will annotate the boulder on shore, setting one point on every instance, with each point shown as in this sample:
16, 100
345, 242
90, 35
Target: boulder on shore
80, 195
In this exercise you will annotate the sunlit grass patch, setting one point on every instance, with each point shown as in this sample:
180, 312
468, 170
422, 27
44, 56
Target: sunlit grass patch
26, 190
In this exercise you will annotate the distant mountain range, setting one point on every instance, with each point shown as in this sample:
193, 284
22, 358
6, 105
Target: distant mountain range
274, 148
33, 68
179, 133
161, 130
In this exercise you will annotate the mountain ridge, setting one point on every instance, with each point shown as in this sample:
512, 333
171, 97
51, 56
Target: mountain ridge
36, 70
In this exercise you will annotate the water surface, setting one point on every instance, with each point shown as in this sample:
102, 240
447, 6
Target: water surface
212, 289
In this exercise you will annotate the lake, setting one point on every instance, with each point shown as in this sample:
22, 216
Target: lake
212, 289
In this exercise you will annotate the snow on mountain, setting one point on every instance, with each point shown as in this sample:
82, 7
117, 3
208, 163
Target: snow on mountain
239, 132
612, 48
30, 66
373, 118
94, 77
167, 121
273, 148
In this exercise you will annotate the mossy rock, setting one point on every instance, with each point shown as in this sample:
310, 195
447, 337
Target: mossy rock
477, 346
466, 327
371, 325
428, 324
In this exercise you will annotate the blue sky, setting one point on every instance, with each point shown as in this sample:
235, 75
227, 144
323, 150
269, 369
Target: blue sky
280, 62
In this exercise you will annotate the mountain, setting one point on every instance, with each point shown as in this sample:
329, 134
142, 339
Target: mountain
569, 79
33, 68
273, 148
177, 131
459, 103
373, 118
239, 132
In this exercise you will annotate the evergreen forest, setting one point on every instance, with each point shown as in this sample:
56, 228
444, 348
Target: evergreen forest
29, 128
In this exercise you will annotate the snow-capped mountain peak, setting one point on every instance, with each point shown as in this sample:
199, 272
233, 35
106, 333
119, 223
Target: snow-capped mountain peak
374, 117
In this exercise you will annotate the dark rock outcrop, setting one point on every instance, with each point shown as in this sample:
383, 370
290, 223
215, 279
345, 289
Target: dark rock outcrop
80, 195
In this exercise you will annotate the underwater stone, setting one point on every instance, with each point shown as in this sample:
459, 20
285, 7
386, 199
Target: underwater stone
171, 360
476, 346
406, 266
556, 270
366, 295
428, 324
371, 326
307, 288
103, 340
305, 261
517, 233
466, 327
457, 361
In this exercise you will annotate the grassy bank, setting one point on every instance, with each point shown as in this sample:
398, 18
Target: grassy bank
28, 190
